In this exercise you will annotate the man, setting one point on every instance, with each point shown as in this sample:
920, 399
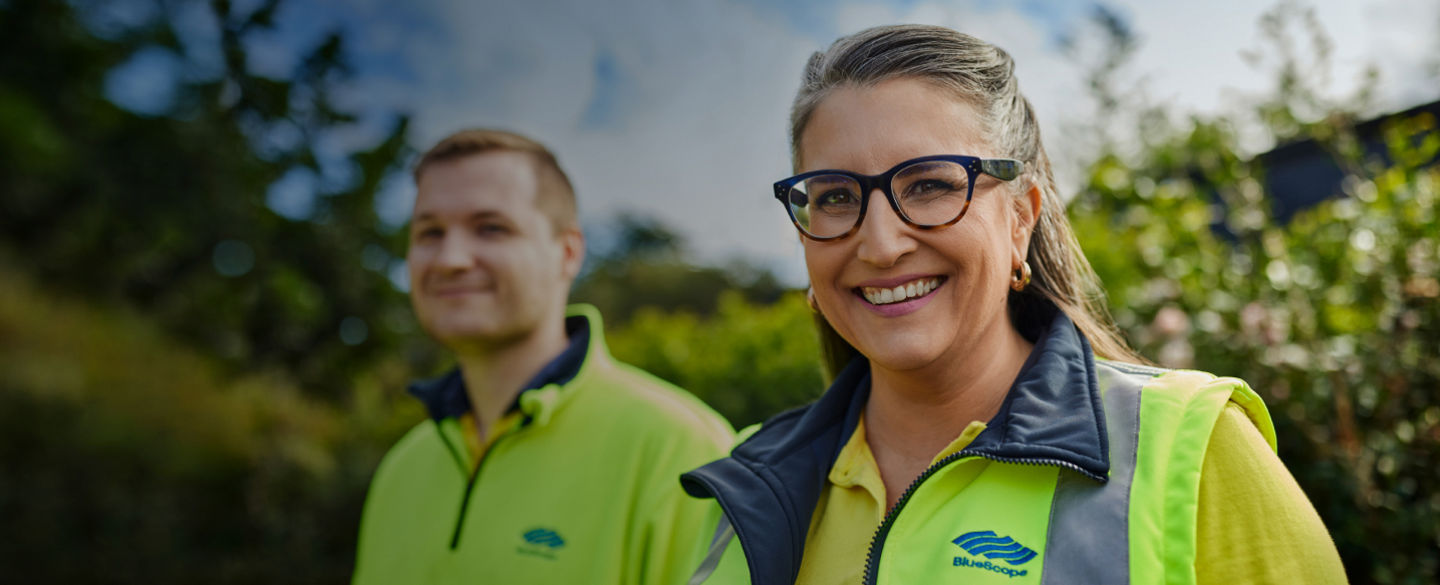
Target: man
545, 461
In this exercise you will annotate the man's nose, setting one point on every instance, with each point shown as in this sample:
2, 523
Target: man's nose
883, 237
454, 254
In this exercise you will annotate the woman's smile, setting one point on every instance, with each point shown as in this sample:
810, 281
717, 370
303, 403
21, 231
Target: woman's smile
898, 296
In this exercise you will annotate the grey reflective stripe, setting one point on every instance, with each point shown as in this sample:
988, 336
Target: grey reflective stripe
724, 533
1089, 537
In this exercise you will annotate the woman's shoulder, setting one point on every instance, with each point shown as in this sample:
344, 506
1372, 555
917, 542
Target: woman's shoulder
1187, 383
1253, 522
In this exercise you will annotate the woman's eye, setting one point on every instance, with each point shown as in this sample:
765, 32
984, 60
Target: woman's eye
835, 197
429, 233
929, 187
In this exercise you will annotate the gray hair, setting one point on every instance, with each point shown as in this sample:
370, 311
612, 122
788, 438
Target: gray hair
984, 76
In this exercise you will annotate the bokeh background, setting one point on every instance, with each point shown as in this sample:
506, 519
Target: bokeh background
204, 333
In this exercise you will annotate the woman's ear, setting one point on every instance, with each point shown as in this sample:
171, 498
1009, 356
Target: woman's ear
1027, 216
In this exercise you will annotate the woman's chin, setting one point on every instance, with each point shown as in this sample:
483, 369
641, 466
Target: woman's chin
900, 358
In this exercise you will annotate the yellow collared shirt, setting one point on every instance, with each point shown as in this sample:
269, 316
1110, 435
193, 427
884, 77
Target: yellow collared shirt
849, 509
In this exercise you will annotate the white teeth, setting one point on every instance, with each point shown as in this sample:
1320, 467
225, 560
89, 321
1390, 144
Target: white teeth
909, 290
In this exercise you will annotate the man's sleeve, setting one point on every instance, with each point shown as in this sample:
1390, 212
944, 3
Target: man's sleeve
679, 533
675, 528
1254, 524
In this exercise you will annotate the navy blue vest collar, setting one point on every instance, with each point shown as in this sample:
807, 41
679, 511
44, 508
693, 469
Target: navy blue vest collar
769, 485
445, 397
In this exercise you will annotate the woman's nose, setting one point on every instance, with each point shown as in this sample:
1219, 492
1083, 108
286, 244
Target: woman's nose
883, 238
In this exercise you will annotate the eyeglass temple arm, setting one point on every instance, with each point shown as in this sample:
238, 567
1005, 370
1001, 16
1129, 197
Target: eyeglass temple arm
1005, 169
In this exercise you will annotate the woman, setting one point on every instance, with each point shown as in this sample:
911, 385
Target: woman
983, 424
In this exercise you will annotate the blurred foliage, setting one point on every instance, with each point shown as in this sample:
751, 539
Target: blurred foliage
196, 388
647, 267
132, 458
747, 361
726, 334
1333, 317
176, 201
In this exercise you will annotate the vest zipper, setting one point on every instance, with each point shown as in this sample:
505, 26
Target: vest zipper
877, 542
474, 476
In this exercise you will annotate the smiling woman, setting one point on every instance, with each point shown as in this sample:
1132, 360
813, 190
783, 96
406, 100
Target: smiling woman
985, 423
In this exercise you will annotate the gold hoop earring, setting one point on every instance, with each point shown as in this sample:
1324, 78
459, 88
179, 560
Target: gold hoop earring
810, 299
1021, 278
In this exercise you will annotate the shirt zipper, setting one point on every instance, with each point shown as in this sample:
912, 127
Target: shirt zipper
475, 475
877, 542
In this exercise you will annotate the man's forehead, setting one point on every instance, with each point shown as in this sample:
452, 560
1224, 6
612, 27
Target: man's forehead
499, 182
493, 166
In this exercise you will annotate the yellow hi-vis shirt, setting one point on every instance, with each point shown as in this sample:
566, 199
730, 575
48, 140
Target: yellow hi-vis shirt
578, 487
1255, 525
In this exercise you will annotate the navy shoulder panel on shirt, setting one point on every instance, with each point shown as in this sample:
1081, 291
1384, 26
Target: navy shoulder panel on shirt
445, 397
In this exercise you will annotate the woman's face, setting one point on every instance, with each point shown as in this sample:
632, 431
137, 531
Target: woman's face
868, 130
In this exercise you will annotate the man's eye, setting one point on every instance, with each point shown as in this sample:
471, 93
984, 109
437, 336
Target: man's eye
429, 233
491, 229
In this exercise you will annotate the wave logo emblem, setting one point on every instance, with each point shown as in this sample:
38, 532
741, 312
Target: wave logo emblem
544, 537
985, 543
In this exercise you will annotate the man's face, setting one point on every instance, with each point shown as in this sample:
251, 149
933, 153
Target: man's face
486, 264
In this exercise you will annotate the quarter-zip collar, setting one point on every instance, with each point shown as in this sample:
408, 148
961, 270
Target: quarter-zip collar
769, 485
545, 394
445, 397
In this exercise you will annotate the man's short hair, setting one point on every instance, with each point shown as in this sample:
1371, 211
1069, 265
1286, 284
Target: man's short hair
555, 196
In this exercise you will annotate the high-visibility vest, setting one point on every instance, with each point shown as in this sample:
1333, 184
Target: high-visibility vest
979, 521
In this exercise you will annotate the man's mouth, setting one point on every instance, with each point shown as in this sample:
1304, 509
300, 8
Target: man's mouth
910, 290
455, 291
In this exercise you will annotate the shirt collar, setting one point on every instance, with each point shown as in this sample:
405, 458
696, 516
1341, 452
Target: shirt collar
445, 397
1053, 410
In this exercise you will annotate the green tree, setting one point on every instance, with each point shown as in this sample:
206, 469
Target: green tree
167, 211
647, 266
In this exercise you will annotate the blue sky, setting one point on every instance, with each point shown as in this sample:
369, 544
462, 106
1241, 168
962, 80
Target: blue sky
692, 95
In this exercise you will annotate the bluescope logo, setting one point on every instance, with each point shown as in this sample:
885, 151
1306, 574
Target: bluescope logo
985, 543
542, 542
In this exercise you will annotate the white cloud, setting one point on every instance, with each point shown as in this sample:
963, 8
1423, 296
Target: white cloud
1191, 53
1404, 39
695, 132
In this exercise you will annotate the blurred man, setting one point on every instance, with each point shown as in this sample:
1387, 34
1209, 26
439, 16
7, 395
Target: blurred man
545, 461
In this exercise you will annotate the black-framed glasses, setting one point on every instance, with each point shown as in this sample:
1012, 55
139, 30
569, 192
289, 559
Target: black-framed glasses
927, 192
